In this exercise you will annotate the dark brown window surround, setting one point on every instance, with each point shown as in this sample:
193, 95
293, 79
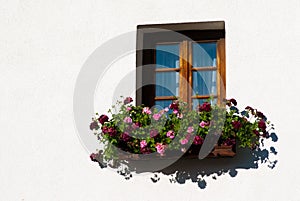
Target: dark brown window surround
148, 36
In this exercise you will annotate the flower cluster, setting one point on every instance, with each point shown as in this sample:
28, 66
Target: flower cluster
141, 130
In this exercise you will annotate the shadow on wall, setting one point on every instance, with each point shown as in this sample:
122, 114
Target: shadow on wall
199, 170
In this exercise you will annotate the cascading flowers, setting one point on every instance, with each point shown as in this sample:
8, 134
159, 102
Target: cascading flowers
140, 130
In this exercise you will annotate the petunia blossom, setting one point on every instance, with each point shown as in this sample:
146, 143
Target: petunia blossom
127, 120
183, 141
171, 134
143, 144
146, 110
156, 116
160, 148
203, 124
153, 133
190, 129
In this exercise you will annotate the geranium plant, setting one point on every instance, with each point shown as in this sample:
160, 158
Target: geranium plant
140, 130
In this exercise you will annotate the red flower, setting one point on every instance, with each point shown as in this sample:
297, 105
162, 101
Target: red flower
233, 101
198, 140
103, 118
128, 100
236, 125
125, 137
174, 105
205, 107
262, 125
250, 109
256, 132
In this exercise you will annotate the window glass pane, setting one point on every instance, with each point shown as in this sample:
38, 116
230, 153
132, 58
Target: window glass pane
167, 56
162, 104
204, 83
204, 54
167, 84
197, 102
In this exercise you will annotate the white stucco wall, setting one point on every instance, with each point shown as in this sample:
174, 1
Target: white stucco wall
43, 45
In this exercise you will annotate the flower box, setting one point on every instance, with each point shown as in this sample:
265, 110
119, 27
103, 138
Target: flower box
177, 129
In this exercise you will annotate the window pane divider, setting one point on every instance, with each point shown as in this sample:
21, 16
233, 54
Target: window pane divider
204, 96
165, 98
167, 69
206, 68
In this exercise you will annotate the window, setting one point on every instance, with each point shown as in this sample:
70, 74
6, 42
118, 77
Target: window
184, 60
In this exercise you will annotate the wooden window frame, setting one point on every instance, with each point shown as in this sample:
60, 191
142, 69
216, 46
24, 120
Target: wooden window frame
150, 35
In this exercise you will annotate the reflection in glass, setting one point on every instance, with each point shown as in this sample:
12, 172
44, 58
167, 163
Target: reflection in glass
204, 54
167, 56
204, 83
162, 104
167, 84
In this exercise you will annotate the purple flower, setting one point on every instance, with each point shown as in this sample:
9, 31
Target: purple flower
103, 118
94, 125
203, 124
127, 120
205, 107
171, 134
153, 133
183, 141
236, 125
127, 100
146, 110
143, 144
156, 116
160, 148
198, 140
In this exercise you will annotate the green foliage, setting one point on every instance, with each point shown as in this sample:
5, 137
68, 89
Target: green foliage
137, 129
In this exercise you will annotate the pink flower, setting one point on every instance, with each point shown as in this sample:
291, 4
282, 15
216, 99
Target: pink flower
179, 115
146, 110
170, 134
188, 136
127, 100
156, 116
175, 111
153, 133
160, 148
190, 129
166, 109
183, 141
136, 125
128, 108
203, 124
143, 144
127, 120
